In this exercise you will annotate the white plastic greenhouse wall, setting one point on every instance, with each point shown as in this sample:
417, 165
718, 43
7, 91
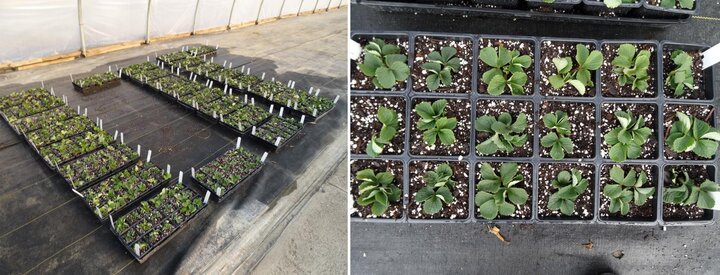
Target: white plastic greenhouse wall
40, 28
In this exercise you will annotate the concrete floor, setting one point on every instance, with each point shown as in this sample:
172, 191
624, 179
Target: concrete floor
382, 248
46, 229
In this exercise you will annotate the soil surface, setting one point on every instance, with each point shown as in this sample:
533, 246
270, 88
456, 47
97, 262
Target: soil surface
698, 91
525, 47
672, 212
646, 212
610, 86
704, 112
458, 209
524, 211
358, 80
395, 211
582, 119
584, 205
462, 79
494, 108
364, 123
609, 122
459, 109
552, 49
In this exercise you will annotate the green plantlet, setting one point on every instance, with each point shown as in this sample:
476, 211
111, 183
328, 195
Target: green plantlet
507, 70
434, 124
557, 139
506, 134
580, 77
689, 133
440, 67
626, 141
632, 68
437, 190
377, 189
671, 4
494, 191
626, 189
682, 75
685, 192
389, 119
384, 64
570, 186
616, 3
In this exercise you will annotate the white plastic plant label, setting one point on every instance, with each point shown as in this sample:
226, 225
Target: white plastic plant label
149, 155
207, 197
245, 98
711, 56
136, 248
76, 192
71, 78
281, 111
120, 73
180, 175
168, 169
237, 143
147, 58
221, 118
42, 83
85, 112
230, 65
218, 191
263, 76
138, 149
337, 97
192, 171
277, 141
716, 197
52, 91
252, 101
224, 63
253, 130
248, 72
302, 119
101, 125
122, 138
264, 157
354, 49
310, 91
314, 112
78, 110
272, 106
212, 59
109, 68
116, 135
112, 222
97, 210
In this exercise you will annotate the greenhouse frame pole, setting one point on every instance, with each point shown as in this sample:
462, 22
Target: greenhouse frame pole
232, 9
147, 24
328, 7
281, 8
257, 18
316, 3
82, 33
300, 7
197, 5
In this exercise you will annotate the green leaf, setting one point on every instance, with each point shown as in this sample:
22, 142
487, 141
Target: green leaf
433, 82
425, 110
626, 50
496, 85
594, 61
432, 66
617, 174
612, 191
400, 70
579, 86
561, 63
438, 106
549, 140
432, 205
618, 152
370, 64
581, 53
567, 207
489, 56
448, 52
385, 77
490, 74
684, 144
424, 194
447, 137
705, 201
523, 60
705, 148
387, 116
489, 210
556, 152
556, 81
395, 58
517, 195
378, 209
445, 77
506, 209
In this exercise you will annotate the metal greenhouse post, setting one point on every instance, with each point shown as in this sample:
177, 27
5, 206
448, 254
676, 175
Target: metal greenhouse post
147, 24
257, 18
197, 6
300, 7
281, 8
232, 9
328, 7
316, 3
82, 33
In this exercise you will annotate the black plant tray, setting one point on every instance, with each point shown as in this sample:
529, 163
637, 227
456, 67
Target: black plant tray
131, 162
241, 186
128, 205
97, 88
406, 6
152, 250
658, 163
52, 165
272, 145
247, 129
137, 81
289, 111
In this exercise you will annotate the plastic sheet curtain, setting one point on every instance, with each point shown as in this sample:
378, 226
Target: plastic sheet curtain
52, 25
171, 17
291, 7
214, 13
245, 11
109, 22
308, 5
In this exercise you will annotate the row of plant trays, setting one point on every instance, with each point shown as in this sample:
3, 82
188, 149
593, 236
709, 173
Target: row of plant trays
96, 83
297, 102
19, 105
229, 173
144, 229
541, 51
407, 155
642, 12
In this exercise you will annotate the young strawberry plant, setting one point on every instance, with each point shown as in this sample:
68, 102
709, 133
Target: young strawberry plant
442, 64
579, 77
569, 185
631, 73
202, 97
440, 67
201, 50
681, 77
390, 124
32, 105
40, 120
690, 134
384, 64
434, 124
60, 130
557, 139
677, 4
627, 190
205, 68
627, 139
277, 127
222, 106
173, 56
73, 147
176, 85
394, 208
246, 117
83, 172
185, 64
684, 190
16, 98
225, 173
377, 190
96, 82
499, 194
143, 72
507, 70
438, 188
506, 135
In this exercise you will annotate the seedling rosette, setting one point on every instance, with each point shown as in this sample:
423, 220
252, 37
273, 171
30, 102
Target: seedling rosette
60, 130
204, 69
96, 166
156, 220
50, 117
277, 127
16, 98
172, 85
123, 189
227, 173
30, 106
68, 149
223, 106
201, 97
96, 83
244, 118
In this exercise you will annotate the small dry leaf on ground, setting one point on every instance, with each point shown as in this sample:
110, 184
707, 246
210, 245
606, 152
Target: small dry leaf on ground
618, 254
496, 231
588, 245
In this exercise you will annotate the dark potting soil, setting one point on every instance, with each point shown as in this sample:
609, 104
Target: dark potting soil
524, 211
494, 108
525, 47
364, 123
395, 211
609, 122
644, 212
610, 86
582, 119
459, 109
458, 209
462, 79
698, 91
584, 204
553, 49
703, 112
673, 212
360, 81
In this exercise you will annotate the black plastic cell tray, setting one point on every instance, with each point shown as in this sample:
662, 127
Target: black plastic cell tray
131, 162
128, 205
240, 185
269, 144
473, 159
413, 8
97, 88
